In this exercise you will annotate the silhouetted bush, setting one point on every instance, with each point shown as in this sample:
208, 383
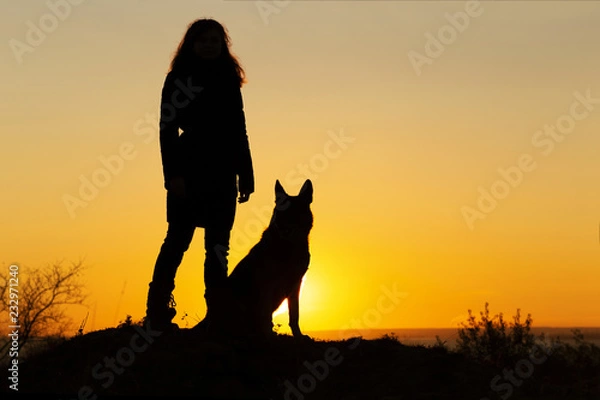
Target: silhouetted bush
128, 322
576, 365
492, 340
44, 295
563, 370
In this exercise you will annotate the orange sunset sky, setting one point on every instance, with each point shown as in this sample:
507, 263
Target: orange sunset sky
453, 148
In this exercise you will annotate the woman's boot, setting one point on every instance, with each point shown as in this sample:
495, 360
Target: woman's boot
160, 307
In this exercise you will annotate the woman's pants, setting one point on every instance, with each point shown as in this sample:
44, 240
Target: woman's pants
176, 243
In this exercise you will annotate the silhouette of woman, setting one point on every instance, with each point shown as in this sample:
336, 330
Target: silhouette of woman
205, 166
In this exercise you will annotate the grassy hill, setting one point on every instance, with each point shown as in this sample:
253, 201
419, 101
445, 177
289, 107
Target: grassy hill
131, 361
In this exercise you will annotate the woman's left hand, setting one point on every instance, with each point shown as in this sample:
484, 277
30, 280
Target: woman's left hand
244, 197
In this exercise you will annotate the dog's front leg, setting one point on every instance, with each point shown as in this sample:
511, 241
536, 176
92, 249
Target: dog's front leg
294, 310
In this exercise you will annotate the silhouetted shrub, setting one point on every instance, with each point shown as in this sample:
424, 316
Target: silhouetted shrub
128, 322
492, 340
440, 345
390, 338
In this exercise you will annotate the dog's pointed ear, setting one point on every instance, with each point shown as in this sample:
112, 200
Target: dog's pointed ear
306, 192
279, 191
280, 195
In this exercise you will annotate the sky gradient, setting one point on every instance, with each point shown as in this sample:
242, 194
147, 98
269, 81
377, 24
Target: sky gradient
453, 148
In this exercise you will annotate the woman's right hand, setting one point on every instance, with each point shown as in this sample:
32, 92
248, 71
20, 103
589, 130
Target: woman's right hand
177, 186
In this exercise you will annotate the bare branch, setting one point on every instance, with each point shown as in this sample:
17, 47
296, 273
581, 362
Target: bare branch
44, 295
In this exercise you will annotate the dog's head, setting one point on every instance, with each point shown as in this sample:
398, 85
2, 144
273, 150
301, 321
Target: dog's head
292, 216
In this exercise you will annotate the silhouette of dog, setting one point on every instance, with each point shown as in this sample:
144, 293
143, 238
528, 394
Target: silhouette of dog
271, 272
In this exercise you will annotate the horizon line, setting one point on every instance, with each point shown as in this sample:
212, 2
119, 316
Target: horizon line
457, 327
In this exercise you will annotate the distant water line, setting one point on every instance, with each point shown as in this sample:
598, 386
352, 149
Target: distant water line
427, 336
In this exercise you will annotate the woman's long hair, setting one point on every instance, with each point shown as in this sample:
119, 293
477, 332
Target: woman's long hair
185, 58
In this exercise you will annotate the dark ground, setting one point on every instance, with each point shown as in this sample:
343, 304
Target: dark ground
129, 362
